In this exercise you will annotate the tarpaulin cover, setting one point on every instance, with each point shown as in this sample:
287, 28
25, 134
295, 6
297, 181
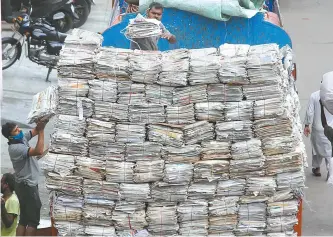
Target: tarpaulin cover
221, 10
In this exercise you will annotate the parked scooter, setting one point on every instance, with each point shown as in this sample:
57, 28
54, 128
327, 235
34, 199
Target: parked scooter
41, 41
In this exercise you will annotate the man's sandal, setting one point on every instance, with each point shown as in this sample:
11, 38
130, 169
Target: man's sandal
316, 172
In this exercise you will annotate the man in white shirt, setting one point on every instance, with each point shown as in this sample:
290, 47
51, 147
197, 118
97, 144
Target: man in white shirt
321, 146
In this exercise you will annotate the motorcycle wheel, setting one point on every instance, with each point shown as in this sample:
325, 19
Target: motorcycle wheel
11, 51
65, 24
82, 10
89, 5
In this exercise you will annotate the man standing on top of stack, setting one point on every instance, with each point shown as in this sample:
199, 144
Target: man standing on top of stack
154, 11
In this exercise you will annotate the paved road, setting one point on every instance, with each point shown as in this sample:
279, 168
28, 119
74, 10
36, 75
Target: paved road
308, 23
305, 20
24, 79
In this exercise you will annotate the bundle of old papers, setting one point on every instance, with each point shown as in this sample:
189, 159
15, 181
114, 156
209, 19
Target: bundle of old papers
146, 151
59, 163
129, 215
130, 133
65, 143
178, 173
232, 187
162, 218
193, 218
159, 94
235, 111
215, 150
103, 90
175, 66
148, 171
190, 153
202, 190
146, 113
166, 135
210, 111
110, 111
73, 87
233, 131
69, 184
76, 106
44, 105
135, 192
100, 190
180, 114
145, 66
90, 168
189, 95
198, 132
204, 65
211, 170
102, 131
119, 172
113, 63
224, 93
161, 191
131, 93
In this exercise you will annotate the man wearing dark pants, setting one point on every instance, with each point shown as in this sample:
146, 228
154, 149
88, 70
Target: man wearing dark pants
26, 169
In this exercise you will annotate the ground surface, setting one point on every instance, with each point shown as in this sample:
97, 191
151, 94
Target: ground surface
307, 21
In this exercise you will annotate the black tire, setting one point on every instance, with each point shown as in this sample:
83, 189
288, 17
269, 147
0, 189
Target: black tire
82, 10
17, 54
89, 5
64, 25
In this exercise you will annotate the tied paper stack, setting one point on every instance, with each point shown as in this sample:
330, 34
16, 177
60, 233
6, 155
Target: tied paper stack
44, 105
188, 145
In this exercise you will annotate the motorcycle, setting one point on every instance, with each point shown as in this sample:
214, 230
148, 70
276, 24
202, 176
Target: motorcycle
59, 13
41, 41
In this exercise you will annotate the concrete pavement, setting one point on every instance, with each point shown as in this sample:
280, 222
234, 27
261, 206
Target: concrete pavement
24, 79
309, 24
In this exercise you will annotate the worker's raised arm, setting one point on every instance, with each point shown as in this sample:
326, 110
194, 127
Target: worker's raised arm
39, 149
167, 35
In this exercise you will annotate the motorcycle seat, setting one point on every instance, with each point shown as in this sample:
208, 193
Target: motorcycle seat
56, 36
